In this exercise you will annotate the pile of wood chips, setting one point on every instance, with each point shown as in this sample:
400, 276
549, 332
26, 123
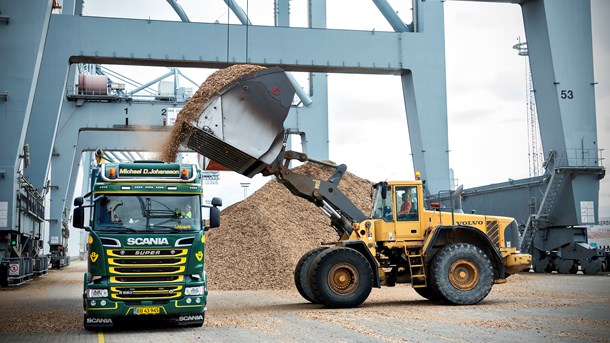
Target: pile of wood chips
262, 238
192, 110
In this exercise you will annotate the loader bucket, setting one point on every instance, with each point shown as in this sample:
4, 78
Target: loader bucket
242, 128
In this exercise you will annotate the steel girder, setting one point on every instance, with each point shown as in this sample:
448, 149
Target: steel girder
417, 56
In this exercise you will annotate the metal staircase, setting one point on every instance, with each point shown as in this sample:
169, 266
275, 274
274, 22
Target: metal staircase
549, 200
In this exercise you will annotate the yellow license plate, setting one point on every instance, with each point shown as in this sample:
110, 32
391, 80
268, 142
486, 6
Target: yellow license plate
148, 310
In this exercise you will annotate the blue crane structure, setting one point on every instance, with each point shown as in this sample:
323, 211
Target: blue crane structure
48, 122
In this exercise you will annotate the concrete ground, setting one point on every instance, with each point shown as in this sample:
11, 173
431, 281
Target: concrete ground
528, 308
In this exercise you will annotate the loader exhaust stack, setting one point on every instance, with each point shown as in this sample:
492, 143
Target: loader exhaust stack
242, 127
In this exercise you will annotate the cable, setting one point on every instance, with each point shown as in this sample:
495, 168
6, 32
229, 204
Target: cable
228, 28
247, 27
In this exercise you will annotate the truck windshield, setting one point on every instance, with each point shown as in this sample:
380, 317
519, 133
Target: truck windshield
132, 213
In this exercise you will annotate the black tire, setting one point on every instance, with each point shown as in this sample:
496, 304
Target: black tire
85, 325
301, 273
591, 267
428, 292
543, 265
566, 266
462, 274
341, 277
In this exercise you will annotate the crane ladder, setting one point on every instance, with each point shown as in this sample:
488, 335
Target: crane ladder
549, 200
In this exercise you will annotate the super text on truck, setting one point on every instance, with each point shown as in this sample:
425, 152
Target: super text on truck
146, 242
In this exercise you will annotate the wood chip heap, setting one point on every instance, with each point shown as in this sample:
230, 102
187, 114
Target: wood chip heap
262, 238
192, 110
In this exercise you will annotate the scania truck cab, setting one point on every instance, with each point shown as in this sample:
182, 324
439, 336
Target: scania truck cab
146, 242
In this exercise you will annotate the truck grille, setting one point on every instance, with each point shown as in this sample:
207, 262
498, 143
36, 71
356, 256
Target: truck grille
146, 274
145, 292
146, 279
147, 270
142, 262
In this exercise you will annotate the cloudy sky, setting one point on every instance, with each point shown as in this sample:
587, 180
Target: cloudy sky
486, 88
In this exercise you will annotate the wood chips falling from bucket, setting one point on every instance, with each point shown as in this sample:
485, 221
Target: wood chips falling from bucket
192, 110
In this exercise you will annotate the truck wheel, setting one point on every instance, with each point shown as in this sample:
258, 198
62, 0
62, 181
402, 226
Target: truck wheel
341, 277
462, 273
566, 266
301, 273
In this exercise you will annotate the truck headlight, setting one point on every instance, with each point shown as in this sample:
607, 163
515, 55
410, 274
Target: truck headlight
97, 293
193, 290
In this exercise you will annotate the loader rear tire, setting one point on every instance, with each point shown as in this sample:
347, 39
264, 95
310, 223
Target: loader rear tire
462, 274
301, 274
341, 277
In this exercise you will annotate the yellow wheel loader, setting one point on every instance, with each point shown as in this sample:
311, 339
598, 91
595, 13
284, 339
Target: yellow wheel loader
446, 256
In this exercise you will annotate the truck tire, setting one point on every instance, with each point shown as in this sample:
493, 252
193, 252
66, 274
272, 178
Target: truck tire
301, 274
462, 274
86, 325
341, 277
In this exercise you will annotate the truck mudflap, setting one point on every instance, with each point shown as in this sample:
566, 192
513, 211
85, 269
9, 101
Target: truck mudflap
90, 322
242, 128
191, 319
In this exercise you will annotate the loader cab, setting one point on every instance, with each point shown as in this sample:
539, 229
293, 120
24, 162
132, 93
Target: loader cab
398, 205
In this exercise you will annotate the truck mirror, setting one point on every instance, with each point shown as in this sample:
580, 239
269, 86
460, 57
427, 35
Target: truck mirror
79, 201
216, 201
214, 218
78, 216
384, 191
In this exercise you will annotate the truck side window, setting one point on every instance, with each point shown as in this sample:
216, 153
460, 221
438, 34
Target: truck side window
104, 216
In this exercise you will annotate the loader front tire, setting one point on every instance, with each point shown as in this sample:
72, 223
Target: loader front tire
301, 274
462, 274
428, 293
341, 277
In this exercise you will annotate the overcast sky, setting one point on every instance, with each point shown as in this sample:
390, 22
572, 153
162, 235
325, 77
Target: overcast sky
486, 89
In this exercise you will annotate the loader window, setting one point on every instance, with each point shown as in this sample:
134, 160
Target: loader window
406, 200
382, 206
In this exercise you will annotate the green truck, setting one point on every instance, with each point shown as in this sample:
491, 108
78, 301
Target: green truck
146, 242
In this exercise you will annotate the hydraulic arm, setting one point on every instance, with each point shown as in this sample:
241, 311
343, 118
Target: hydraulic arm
323, 193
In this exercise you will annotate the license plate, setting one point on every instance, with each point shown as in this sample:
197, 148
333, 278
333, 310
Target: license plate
147, 310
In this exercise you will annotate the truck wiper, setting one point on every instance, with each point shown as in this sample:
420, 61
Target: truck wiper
166, 227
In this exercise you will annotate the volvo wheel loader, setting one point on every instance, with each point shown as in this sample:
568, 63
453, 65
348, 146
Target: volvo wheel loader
451, 257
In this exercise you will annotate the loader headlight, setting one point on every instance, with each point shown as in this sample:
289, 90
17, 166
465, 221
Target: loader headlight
193, 290
97, 293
